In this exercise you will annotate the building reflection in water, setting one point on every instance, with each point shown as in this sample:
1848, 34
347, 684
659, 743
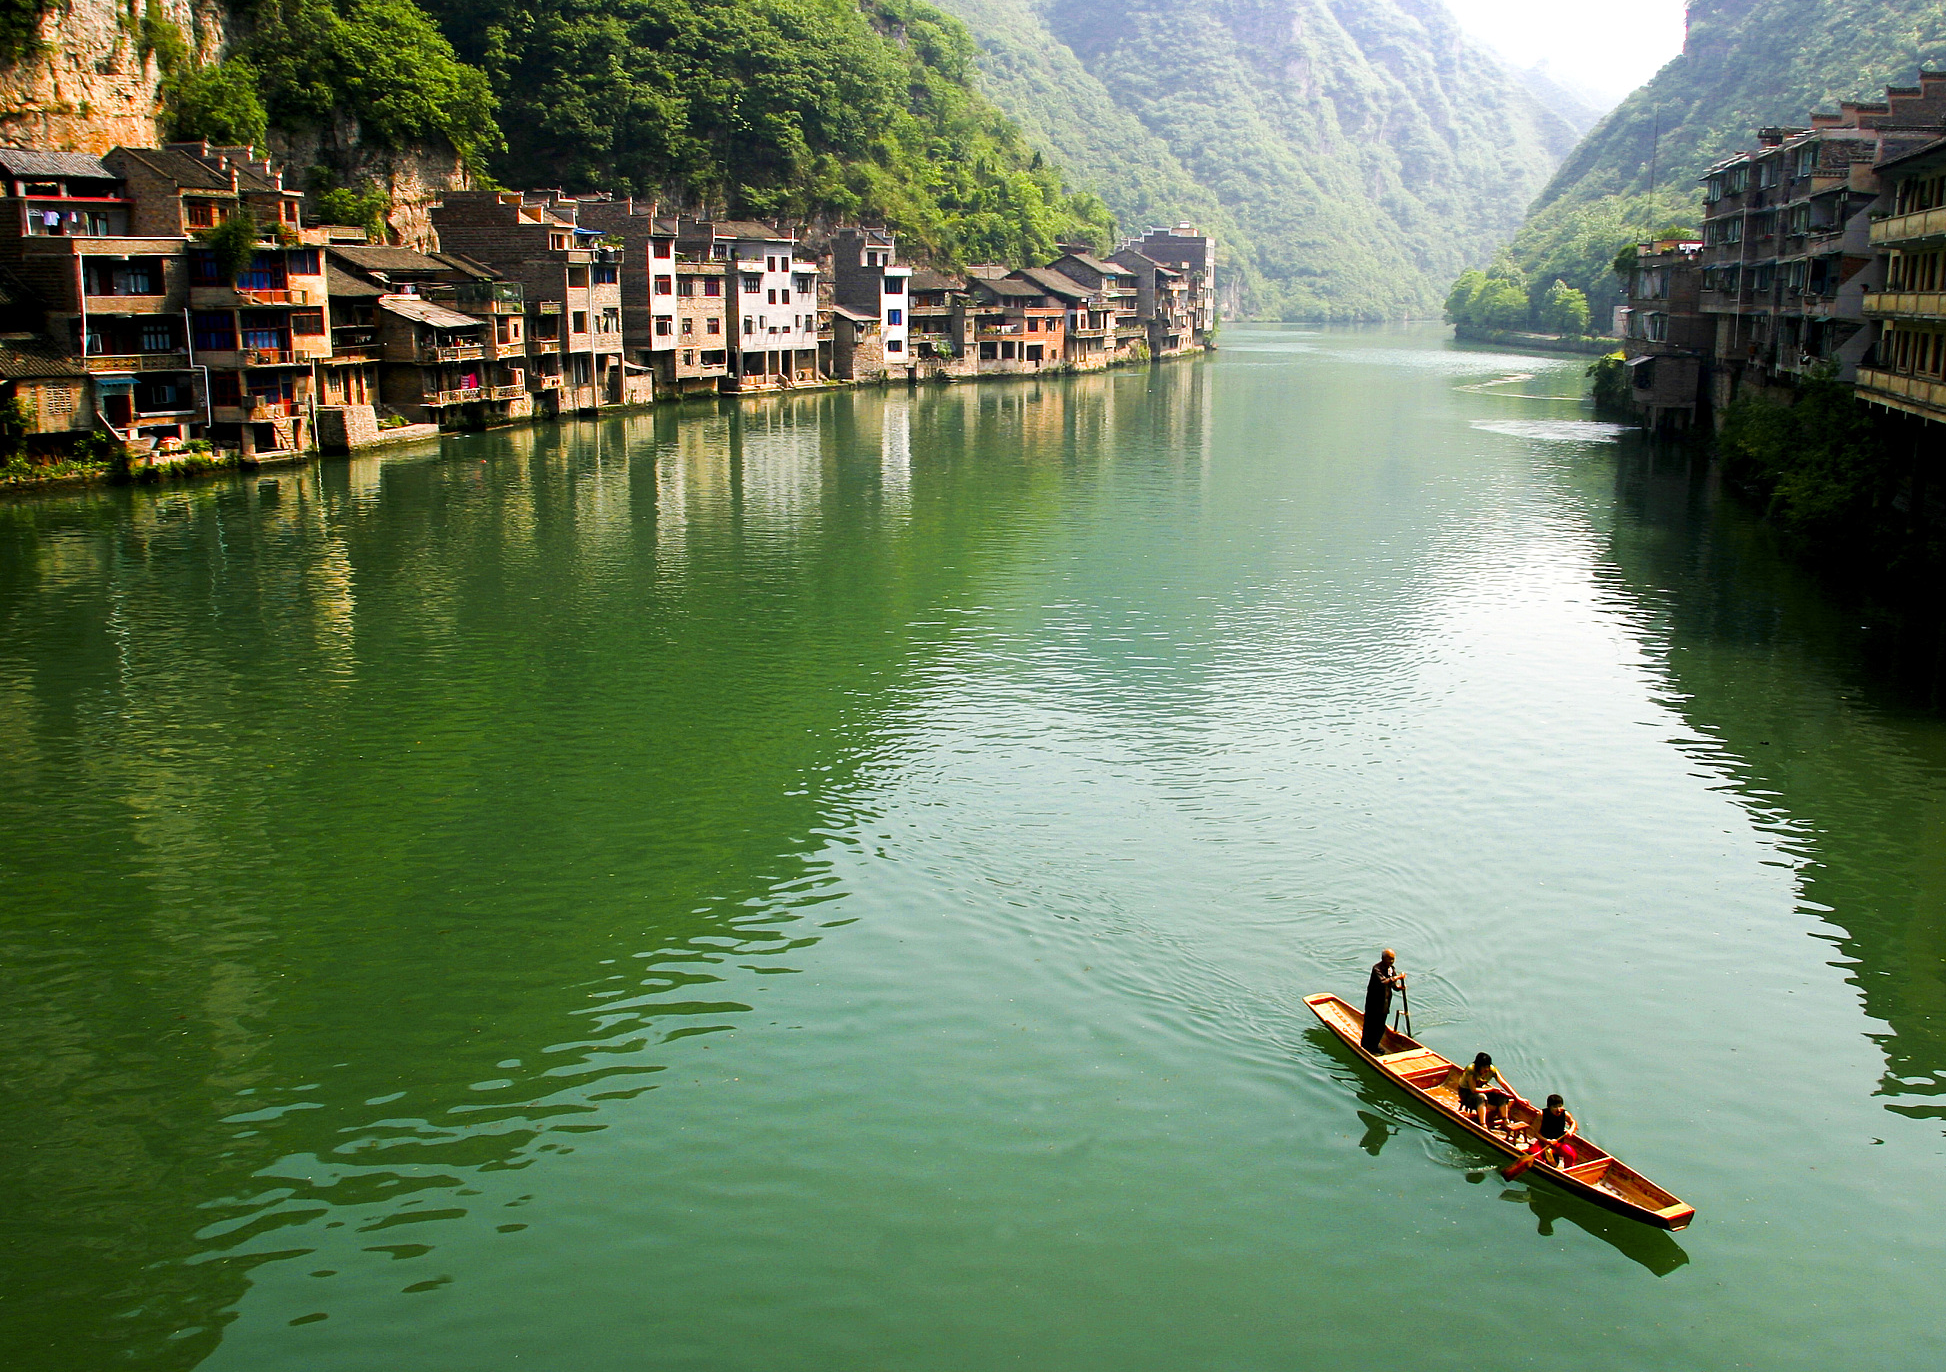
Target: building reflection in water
415, 803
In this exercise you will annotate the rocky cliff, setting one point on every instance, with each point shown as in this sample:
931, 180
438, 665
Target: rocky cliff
87, 76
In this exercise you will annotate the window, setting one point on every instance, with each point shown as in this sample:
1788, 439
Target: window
897, 345
579, 323
577, 278
607, 273
895, 317
749, 325
688, 357
265, 329
664, 326
770, 264
225, 389
304, 262
266, 272
307, 323
686, 286
611, 320
895, 285
665, 285
664, 249
1033, 352
215, 332
158, 336
714, 326
712, 288
752, 284
803, 285
557, 242
200, 214
1033, 326
688, 327
771, 299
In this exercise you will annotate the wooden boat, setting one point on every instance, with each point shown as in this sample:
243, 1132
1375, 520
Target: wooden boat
1423, 1075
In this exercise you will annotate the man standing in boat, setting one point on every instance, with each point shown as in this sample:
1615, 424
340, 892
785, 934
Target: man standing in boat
1378, 999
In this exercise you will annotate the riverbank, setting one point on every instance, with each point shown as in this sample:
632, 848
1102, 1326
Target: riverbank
1533, 342
29, 479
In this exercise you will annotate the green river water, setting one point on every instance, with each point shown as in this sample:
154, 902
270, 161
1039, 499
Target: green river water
829, 884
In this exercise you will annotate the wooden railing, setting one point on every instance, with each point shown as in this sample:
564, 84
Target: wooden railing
139, 362
1910, 393
1906, 304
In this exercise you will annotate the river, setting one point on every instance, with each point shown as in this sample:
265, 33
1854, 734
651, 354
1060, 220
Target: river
830, 883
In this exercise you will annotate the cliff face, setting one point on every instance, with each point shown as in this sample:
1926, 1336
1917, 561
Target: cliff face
94, 83
1352, 155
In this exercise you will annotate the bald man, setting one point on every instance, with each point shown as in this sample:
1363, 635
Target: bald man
1378, 1000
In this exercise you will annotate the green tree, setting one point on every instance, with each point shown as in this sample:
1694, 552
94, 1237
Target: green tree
234, 243
217, 101
1564, 310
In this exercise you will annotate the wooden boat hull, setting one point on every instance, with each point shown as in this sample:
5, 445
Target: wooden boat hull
1422, 1073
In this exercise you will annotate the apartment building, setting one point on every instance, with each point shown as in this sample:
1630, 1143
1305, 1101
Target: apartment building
570, 276
1907, 370
1667, 339
868, 278
1162, 301
1191, 252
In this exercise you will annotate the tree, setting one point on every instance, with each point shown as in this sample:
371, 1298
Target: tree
1565, 310
217, 101
234, 243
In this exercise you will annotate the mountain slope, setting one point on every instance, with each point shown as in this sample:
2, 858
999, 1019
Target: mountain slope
1361, 151
1746, 64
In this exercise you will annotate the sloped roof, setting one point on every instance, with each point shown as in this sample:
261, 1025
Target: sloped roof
987, 271
342, 284
425, 312
1007, 287
25, 162
1095, 264
748, 228
187, 172
471, 266
1057, 284
385, 259
856, 316
1925, 151
1144, 262
23, 356
926, 279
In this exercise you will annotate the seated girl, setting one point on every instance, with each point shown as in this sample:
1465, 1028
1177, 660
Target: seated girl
1557, 1134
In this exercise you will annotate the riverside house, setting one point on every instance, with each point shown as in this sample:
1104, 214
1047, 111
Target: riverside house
1907, 370
117, 318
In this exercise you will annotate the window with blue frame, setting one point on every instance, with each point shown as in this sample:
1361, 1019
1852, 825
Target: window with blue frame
606, 274
265, 273
895, 316
216, 331
265, 329
304, 262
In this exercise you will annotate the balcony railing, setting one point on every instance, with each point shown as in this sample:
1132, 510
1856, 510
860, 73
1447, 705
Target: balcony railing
219, 297
1917, 224
1906, 304
1914, 394
547, 383
506, 392
139, 362
461, 396
467, 352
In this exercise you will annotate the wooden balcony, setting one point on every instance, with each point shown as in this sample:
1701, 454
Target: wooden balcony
229, 359
1906, 304
465, 352
506, 392
465, 395
1903, 228
546, 383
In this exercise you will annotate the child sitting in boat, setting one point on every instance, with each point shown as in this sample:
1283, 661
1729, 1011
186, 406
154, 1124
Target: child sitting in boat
1483, 1092
1557, 1128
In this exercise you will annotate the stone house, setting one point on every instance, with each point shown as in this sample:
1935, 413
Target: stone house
1667, 338
1088, 327
1118, 288
1186, 249
866, 276
1019, 326
1162, 300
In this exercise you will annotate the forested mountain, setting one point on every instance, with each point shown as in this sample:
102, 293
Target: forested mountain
1352, 155
1746, 64
832, 109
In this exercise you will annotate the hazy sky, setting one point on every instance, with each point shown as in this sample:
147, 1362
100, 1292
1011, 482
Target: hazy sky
1601, 44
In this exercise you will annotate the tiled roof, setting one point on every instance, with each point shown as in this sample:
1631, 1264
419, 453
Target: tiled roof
856, 316
472, 267
1015, 289
187, 172
1095, 264
24, 162
25, 355
425, 312
746, 228
377, 259
926, 279
342, 284
1057, 284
